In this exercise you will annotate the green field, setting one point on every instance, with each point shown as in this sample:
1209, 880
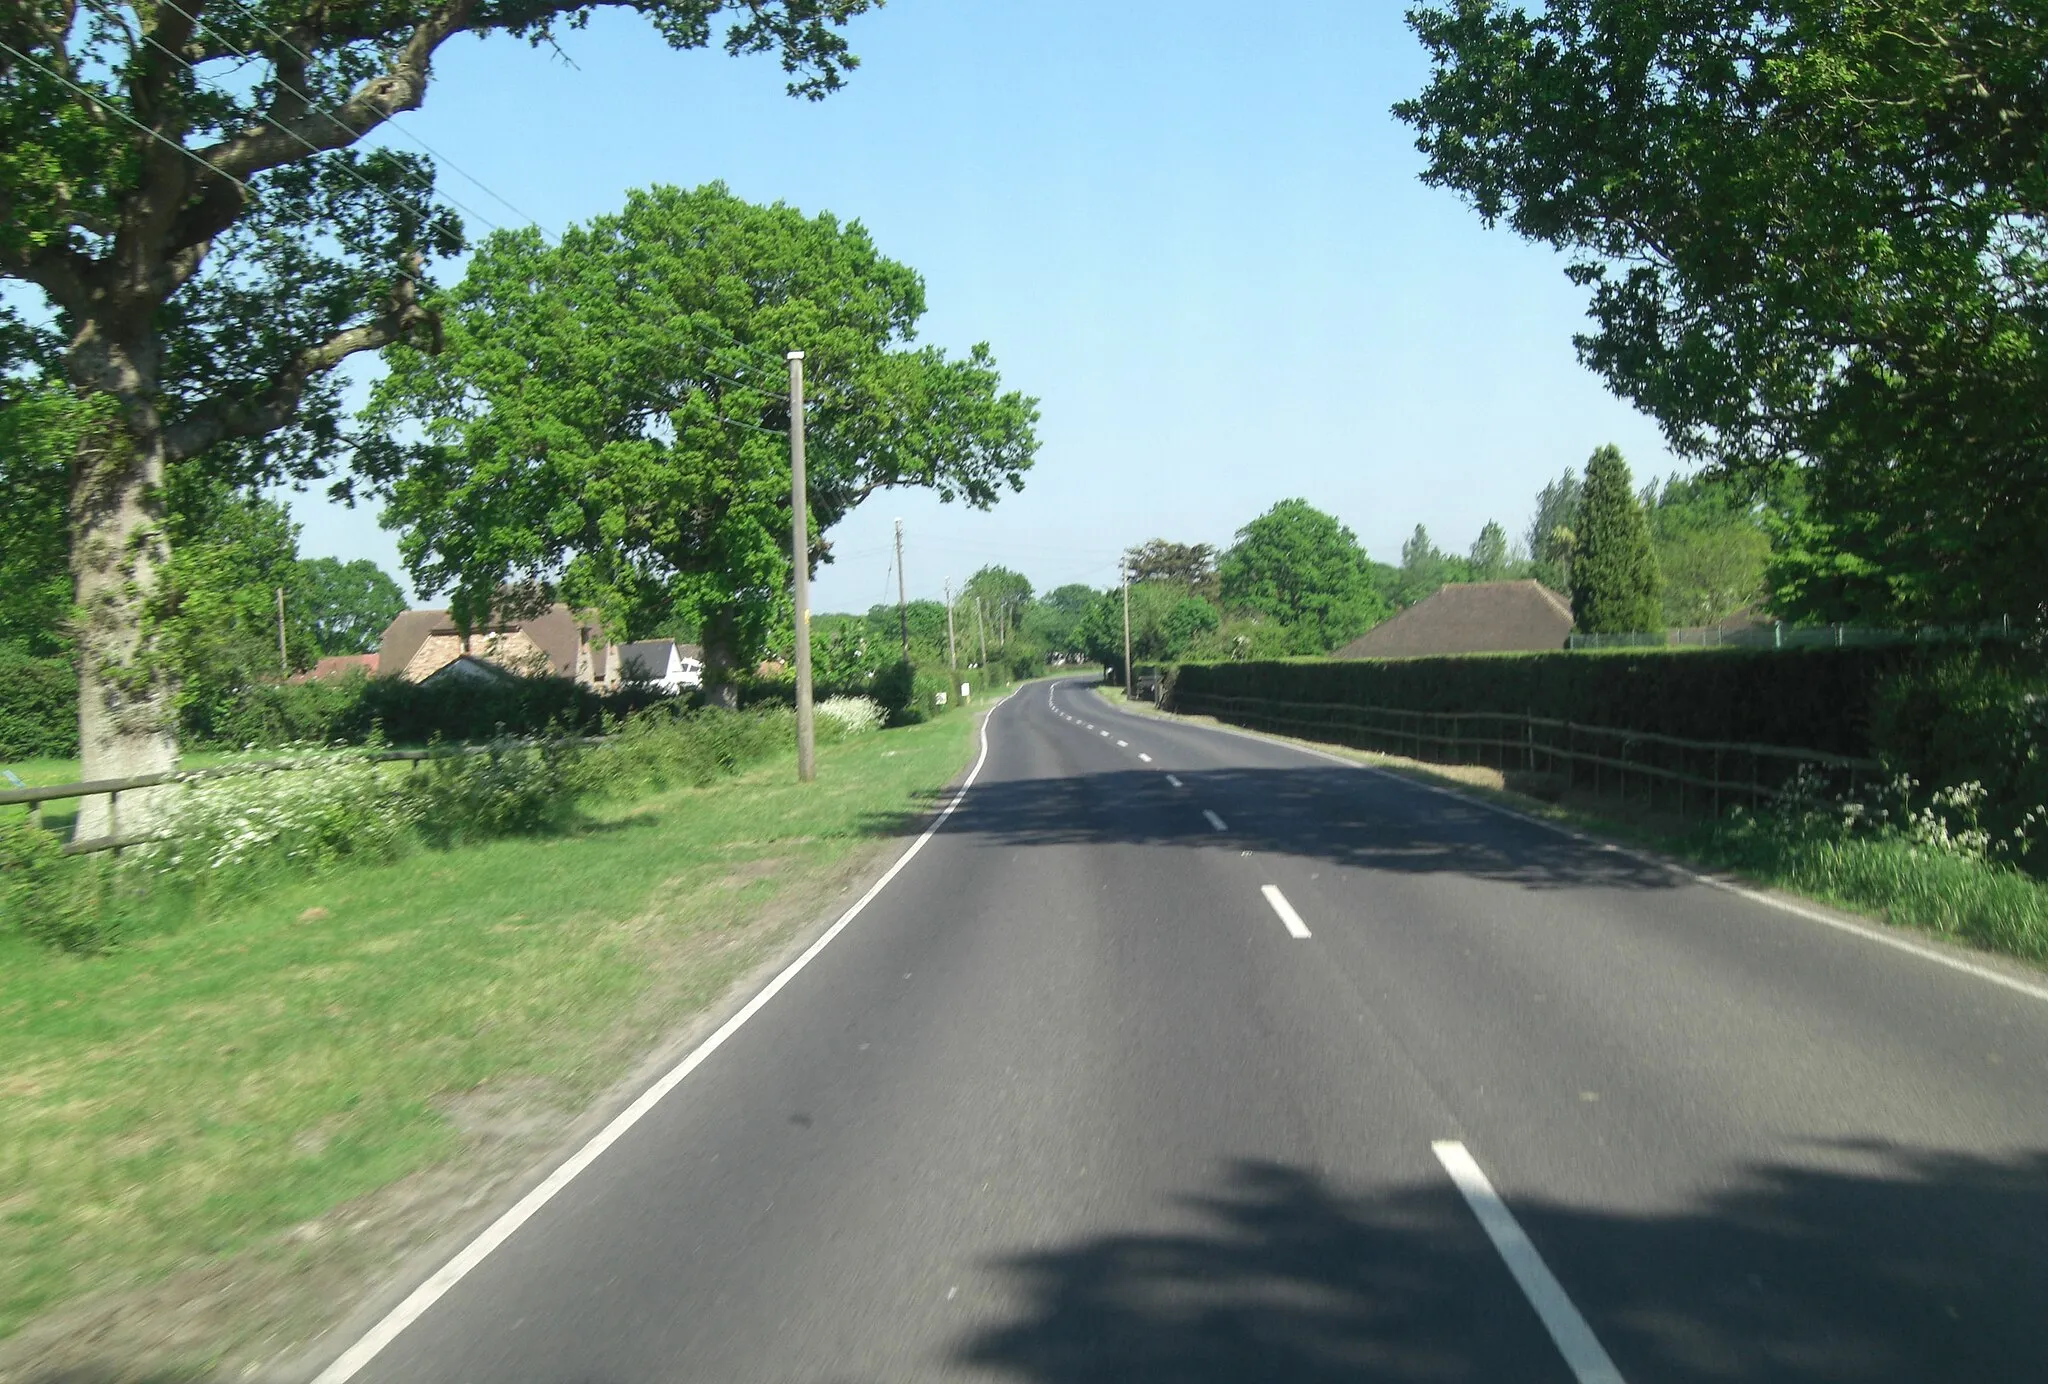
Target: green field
197, 1094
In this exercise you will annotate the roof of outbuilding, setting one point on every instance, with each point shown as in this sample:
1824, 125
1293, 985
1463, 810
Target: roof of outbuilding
1470, 618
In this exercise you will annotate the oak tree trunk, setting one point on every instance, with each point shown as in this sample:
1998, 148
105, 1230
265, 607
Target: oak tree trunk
127, 723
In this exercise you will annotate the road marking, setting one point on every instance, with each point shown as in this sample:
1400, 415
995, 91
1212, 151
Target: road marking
1175, 782
1285, 909
1575, 1340
474, 1253
1105, 735
1214, 821
1146, 757
1123, 744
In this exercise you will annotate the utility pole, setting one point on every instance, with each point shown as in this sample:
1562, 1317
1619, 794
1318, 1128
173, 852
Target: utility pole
952, 653
283, 665
800, 567
902, 606
1129, 686
981, 629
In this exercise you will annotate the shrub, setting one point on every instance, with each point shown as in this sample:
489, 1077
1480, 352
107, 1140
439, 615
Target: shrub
851, 715
78, 904
1968, 723
38, 706
504, 789
895, 690
298, 820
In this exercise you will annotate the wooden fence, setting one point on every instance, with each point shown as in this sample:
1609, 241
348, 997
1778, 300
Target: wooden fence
1695, 776
34, 798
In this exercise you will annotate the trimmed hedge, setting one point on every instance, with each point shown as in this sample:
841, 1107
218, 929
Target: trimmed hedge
349, 710
38, 707
1813, 699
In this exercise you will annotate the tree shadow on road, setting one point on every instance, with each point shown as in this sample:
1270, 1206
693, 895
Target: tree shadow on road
1881, 1269
1329, 814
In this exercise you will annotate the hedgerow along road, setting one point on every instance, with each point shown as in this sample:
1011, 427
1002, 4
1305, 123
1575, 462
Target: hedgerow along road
1173, 1054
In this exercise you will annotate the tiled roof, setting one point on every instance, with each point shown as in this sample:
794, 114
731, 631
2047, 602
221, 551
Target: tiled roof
1470, 618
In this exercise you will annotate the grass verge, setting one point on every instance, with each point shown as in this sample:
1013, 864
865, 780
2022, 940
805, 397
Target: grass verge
222, 1089
1989, 906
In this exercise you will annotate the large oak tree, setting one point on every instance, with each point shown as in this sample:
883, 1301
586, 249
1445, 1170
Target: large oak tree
183, 182
608, 416
1813, 231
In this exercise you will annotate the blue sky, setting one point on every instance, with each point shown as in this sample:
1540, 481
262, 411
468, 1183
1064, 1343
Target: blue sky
1192, 229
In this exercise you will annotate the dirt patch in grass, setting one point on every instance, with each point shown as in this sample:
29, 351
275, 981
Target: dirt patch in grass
373, 1084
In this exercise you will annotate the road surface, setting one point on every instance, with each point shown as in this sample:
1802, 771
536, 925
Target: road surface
1178, 1055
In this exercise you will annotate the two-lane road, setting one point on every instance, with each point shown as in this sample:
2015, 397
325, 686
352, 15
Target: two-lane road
1178, 1055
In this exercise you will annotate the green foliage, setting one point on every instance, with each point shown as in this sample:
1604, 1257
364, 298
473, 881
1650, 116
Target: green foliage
1053, 621
1190, 565
1973, 719
1816, 699
1424, 570
77, 904
1553, 532
1302, 568
1614, 568
1810, 230
38, 434
1892, 870
38, 706
612, 409
895, 689
1712, 550
927, 624
1489, 560
294, 821
215, 607
348, 604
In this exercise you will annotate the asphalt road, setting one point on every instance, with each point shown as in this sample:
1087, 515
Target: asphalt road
1071, 1101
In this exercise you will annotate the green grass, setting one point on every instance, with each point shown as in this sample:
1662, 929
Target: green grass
196, 1093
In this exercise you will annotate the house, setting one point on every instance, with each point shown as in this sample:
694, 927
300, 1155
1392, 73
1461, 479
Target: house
334, 666
469, 668
1485, 617
555, 643
659, 663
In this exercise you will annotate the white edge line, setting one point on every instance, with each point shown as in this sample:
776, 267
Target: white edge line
1214, 821
1868, 932
417, 1303
1575, 1340
1286, 910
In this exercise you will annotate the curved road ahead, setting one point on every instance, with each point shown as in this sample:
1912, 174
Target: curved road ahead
1074, 1099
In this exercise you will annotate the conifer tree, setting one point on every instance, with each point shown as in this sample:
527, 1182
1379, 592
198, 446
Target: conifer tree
1614, 569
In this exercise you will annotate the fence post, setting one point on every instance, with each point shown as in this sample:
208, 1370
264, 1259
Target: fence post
1717, 784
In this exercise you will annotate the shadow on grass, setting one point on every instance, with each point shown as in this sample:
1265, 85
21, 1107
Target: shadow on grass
1934, 1267
1329, 814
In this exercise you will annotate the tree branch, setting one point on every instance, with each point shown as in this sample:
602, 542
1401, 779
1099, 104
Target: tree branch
218, 419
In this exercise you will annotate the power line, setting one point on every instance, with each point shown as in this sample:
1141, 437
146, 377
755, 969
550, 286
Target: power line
424, 211
393, 125
123, 115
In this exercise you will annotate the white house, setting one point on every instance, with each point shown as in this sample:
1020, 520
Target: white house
660, 663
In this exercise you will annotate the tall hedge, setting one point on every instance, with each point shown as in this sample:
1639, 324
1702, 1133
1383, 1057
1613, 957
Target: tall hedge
1814, 699
38, 707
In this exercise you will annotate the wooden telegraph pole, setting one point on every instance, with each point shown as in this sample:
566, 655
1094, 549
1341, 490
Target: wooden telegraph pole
902, 606
800, 566
952, 651
1130, 693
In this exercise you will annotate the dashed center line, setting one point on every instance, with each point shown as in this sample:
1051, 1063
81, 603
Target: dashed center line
1575, 1340
1278, 900
1146, 757
1175, 782
1123, 744
1215, 822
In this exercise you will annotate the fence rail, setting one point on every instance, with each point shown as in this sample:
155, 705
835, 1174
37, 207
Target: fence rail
1778, 635
34, 797
1697, 775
